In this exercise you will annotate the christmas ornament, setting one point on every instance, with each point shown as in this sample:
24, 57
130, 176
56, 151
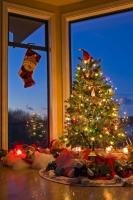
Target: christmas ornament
29, 64
86, 56
93, 93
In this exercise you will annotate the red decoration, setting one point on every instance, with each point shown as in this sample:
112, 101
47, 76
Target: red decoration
86, 56
29, 64
19, 152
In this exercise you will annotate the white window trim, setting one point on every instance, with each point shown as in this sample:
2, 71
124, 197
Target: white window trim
77, 15
26, 11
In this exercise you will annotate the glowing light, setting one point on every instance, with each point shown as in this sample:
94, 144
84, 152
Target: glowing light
108, 149
100, 103
116, 127
121, 134
94, 65
87, 75
111, 142
114, 114
83, 69
86, 61
65, 139
86, 129
19, 152
110, 91
67, 118
77, 149
100, 136
78, 68
125, 150
92, 138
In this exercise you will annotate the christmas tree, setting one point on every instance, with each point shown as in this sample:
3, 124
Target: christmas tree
92, 112
37, 128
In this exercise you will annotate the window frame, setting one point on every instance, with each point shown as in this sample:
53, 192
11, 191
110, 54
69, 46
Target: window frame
92, 12
52, 63
42, 48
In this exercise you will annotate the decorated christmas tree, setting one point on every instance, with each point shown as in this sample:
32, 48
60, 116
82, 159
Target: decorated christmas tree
92, 112
37, 127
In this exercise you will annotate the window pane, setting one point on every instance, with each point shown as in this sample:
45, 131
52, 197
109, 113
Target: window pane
28, 107
109, 38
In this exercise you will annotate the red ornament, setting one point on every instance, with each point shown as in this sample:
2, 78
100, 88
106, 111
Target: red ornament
86, 56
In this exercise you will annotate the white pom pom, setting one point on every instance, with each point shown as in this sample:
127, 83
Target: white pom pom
41, 160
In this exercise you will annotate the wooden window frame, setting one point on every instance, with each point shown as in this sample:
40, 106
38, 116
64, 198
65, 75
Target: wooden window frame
53, 109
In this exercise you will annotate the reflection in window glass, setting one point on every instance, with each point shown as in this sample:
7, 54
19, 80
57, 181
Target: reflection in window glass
109, 38
28, 107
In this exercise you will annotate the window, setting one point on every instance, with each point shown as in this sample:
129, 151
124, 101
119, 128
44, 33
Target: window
108, 38
27, 107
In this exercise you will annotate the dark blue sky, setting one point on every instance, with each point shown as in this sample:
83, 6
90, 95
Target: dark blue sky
109, 38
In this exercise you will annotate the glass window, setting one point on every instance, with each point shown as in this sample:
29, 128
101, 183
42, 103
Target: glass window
109, 38
28, 107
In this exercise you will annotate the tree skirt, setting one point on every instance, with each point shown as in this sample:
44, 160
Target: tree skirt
85, 182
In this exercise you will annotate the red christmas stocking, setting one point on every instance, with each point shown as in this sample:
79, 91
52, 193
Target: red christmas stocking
29, 64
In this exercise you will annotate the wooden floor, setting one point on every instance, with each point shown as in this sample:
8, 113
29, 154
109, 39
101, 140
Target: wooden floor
27, 185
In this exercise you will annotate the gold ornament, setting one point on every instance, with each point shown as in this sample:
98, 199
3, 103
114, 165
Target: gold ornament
93, 93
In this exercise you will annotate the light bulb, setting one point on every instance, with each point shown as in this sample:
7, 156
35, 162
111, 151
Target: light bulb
111, 142
94, 65
125, 150
92, 138
100, 136
86, 129
108, 149
96, 74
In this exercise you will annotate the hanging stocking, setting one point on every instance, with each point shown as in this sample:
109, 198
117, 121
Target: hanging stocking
29, 64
